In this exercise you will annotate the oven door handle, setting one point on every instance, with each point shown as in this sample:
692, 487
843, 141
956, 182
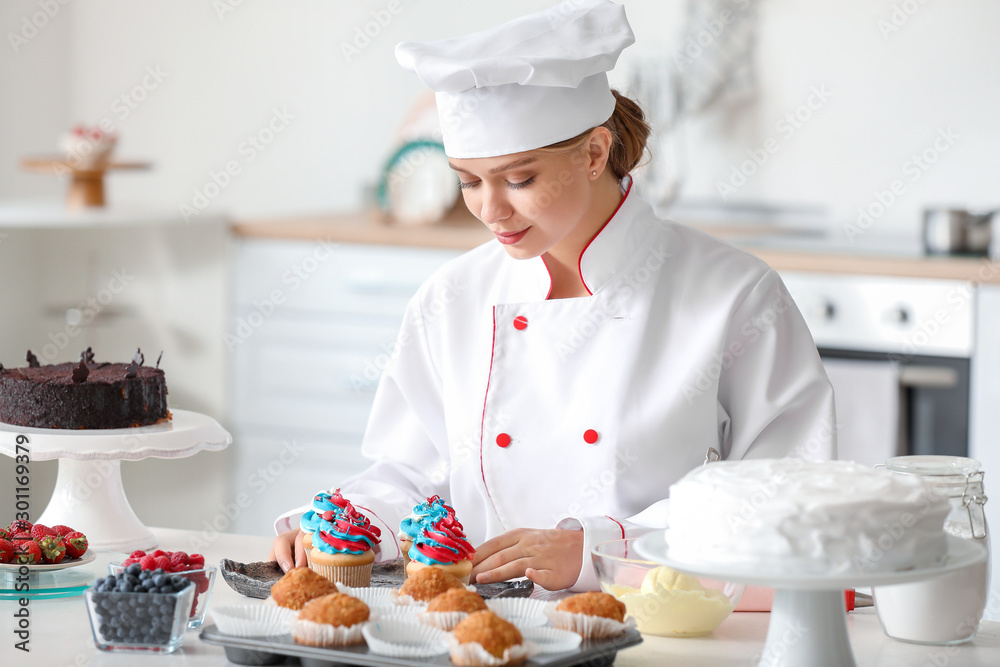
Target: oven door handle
928, 377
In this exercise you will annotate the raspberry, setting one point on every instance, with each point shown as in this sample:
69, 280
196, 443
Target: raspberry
162, 562
137, 554
128, 561
148, 562
197, 561
158, 553
178, 561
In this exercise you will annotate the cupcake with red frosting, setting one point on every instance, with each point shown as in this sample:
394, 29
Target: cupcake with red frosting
343, 544
423, 514
322, 502
441, 543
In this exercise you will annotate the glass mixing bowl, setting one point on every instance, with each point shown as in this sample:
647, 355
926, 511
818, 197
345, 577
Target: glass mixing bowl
663, 601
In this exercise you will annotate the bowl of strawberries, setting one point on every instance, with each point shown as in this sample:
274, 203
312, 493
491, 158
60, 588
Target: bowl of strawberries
175, 562
42, 548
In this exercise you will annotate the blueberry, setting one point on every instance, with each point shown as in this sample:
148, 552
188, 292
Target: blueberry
160, 580
134, 569
125, 587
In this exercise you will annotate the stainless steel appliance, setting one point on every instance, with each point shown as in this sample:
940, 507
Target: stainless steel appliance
899, 353
957, 231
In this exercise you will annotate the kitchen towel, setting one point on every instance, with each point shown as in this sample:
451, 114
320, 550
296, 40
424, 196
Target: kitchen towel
867, 399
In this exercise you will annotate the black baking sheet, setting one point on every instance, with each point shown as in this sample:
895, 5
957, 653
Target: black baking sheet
277, 650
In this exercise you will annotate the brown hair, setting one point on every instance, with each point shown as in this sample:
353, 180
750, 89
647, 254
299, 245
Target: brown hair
629, 132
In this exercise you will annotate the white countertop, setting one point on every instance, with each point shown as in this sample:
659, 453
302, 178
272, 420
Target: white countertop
60, 631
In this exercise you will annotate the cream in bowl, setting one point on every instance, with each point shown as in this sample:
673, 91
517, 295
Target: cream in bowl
663, 601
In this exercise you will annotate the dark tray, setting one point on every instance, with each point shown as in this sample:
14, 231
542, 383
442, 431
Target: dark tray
254, 580
282, 650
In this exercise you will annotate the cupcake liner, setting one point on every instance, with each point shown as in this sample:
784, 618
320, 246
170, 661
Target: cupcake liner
443, 620
588, 627
472, 654
404, 639
355, 576
527, 612
324, 634
551, 640
260, 620
397, 612
373, 597
407, 600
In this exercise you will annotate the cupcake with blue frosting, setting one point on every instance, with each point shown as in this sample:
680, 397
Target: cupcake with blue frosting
426, 513
441, 543
343, 544
322, 502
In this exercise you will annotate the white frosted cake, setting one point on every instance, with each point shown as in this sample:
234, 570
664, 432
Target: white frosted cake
805, 517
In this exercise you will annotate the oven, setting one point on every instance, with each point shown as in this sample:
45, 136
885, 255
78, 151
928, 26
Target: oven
898, 352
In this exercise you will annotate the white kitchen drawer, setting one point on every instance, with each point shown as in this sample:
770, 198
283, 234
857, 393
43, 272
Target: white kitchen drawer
316, 374
274, 472
374, 280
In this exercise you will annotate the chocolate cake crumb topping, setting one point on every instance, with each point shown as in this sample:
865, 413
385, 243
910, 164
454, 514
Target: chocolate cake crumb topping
158, 359
33, 360
137, 358
87, 356
132, 370
81, 372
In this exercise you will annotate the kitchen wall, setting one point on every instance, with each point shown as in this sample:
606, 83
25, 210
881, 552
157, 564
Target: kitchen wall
300, 105
188, 82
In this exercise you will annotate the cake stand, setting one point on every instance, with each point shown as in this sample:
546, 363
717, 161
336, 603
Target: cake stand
89, 495
808, 617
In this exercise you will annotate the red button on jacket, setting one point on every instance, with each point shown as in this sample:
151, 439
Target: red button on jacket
520, 322
503, 440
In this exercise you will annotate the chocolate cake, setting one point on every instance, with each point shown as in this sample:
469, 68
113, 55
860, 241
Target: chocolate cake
83, 395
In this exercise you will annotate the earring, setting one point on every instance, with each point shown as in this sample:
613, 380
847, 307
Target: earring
595, 173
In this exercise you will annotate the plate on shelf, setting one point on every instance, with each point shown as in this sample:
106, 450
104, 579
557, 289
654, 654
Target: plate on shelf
87, 557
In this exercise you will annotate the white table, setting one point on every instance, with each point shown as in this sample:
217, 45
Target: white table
60, 631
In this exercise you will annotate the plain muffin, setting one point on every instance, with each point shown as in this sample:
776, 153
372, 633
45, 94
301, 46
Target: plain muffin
298, 586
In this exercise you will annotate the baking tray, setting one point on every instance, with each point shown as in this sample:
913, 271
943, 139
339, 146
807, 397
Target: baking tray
254, 580
282, 650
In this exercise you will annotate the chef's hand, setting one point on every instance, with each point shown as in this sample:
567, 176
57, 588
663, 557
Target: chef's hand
288, 549
550, 558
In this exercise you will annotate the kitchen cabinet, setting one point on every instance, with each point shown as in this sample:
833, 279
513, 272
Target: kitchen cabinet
312, 326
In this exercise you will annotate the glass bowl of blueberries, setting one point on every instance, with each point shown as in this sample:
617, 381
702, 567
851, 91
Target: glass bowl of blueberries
202, 577
139, 610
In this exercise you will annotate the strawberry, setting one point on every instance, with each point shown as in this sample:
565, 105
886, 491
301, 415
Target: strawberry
27, 552
19, 526
76, 544
162, 563
53, 549
5, 534
6, 551
21, 537
61, 530
38, 531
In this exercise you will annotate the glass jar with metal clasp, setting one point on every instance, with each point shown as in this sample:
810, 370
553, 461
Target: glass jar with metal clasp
946, 609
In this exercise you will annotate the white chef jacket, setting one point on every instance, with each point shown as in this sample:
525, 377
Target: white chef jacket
581, 412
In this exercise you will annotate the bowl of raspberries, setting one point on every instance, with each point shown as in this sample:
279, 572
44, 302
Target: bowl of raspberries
41, 547
190, 567
137, 610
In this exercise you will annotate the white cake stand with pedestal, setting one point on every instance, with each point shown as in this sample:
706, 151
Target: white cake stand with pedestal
89, 495
808, 617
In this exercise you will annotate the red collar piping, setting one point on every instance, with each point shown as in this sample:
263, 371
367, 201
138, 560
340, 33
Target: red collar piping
579, 263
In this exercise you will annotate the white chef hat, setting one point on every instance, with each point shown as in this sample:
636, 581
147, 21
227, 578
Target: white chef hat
531, 82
